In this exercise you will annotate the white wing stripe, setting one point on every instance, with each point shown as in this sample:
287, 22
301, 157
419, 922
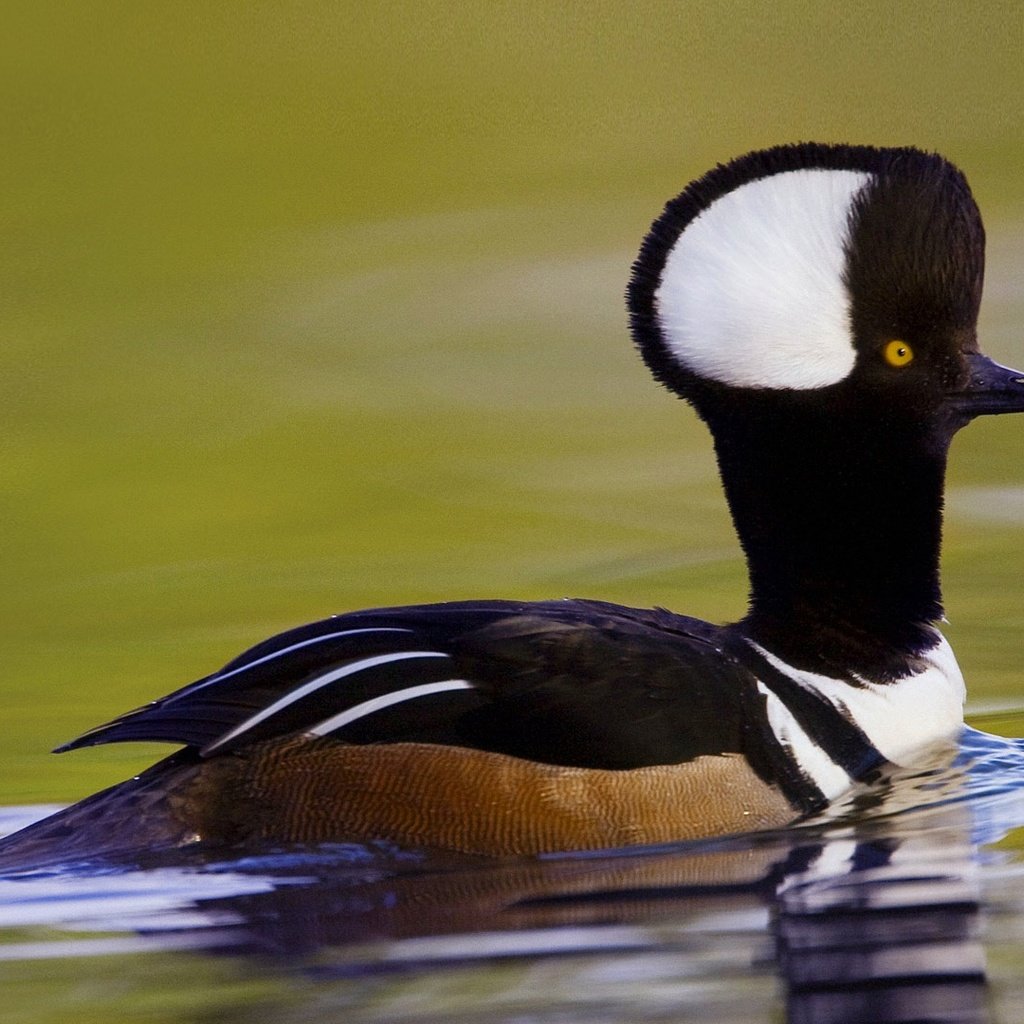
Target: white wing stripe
219, 677
368, 707
315, 684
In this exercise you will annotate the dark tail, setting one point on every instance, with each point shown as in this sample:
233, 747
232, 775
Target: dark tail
116, 825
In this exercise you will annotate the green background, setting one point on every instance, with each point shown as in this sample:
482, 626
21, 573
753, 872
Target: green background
308, 307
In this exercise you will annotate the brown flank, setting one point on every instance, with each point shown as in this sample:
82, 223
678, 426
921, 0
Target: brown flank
313, 790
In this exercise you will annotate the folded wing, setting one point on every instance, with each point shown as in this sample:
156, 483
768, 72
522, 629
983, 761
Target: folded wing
565, 682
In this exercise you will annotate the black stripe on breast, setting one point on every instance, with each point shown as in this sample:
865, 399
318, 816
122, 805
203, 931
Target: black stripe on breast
828, 726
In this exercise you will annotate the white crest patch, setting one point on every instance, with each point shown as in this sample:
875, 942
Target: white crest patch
752, 293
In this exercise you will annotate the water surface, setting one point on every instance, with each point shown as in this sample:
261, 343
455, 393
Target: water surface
903, 904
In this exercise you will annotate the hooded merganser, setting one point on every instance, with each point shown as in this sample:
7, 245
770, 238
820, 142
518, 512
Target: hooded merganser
817, 305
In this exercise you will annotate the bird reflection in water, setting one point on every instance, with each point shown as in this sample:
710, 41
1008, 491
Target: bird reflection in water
871, 917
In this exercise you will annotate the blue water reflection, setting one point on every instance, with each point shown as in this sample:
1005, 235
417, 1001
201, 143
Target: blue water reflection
900, 906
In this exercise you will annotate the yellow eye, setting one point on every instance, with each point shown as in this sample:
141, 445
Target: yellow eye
898, 353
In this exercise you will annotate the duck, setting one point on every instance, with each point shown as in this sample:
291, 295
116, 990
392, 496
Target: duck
817, 306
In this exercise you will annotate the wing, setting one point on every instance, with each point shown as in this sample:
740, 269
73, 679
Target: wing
566, 682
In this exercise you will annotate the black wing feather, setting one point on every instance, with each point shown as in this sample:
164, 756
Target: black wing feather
566, 682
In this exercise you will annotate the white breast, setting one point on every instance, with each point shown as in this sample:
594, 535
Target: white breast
902, 720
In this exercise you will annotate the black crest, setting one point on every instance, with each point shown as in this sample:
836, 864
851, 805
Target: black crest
916, 223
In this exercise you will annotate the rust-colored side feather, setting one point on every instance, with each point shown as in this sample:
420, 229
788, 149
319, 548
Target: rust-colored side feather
470, 800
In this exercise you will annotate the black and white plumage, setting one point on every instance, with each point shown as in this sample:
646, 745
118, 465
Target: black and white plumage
575, 683
817, 305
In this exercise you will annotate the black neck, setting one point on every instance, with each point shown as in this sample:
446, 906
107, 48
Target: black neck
840, 515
